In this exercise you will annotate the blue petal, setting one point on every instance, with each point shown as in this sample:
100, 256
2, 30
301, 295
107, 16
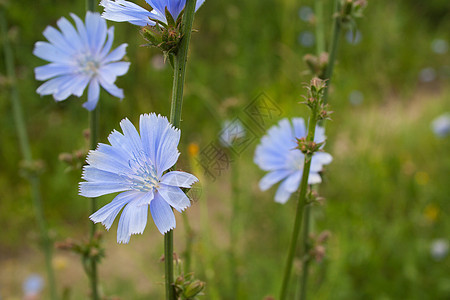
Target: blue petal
116, 54
70, 34
50, 53
275, 147
198, 4
160, 140
109, 212
96, 31
108, 44
175, 7
314, 178
132, 221
75, 86
112, 89
58, 40
110, 159
53, 85
299, 127
319, 135
82, 32
319, 159
93, 174
162, 214
120, 142
273, 177
93, 95
97, 188
108, 73
125, 11
133, 139
179, 179
287, 187
174, 196
53, 70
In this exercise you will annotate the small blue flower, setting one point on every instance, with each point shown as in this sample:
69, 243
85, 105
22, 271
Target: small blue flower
126, 11
80, 57
134, 165
278, 155
441, 125
33, 285
231, 132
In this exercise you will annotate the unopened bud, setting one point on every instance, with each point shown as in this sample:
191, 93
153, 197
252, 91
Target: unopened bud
323, 236
319, 253
87, 134
317, 84
194, 288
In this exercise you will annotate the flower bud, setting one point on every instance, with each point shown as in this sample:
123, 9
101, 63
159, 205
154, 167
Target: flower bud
193, 289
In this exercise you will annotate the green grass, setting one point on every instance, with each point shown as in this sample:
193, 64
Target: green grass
389, 171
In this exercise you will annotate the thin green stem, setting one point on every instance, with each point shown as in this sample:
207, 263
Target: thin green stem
337, 26
175, 119
46, 243
94, 131
90, 5
299, 213
320, 27
168, 260
305, 251
180, 64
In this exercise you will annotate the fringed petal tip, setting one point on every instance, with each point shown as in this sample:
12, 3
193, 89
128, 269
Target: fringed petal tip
107, 227
159, 116
167, 230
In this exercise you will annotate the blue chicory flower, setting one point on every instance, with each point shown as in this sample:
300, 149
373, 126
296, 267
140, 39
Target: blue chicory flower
126, 11
33, 285
441, 125
134, 165
80, 57
278, 155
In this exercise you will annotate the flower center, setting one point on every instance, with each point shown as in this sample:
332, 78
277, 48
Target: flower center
88, 65
144, 177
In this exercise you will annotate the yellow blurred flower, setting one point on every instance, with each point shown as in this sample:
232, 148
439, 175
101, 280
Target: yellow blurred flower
193, 149
60, 263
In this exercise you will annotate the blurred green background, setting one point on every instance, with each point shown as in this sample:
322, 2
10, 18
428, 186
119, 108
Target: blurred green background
387, 190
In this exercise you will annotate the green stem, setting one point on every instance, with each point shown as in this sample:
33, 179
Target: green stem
46, 243
93, 277
320, 28
175, 119
90, 5
333, 49
234, 227
299, 213
93, 126
168, 261
305, 251
180, 64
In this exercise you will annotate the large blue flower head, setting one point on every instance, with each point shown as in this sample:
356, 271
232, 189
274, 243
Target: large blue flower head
134, 165
80, 56
126, 11
278, 155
